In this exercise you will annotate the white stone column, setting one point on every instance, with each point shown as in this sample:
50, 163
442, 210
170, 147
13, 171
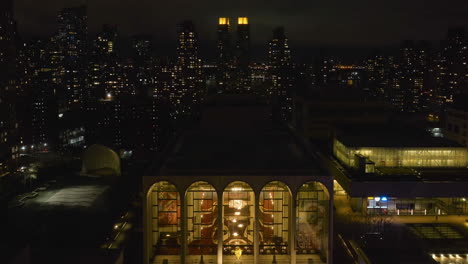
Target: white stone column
256, 228
183, 217
147, 230
220, 229
292, 229
330, 227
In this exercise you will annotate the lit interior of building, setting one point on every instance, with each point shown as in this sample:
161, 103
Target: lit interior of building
403, 156
248, 226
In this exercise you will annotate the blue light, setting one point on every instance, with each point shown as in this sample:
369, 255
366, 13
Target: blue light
383, 198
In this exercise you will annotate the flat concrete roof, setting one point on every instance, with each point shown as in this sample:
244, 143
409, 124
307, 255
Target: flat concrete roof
259, 152
237, 136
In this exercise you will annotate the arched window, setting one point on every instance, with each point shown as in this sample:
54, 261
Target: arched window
202, 220
165, 219
274, 203
238, 219
312, 213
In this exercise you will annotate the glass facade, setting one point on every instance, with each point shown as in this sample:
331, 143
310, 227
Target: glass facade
165, 219
249, 227
274, 218
238, 219
456, 157
312, 213
202, 219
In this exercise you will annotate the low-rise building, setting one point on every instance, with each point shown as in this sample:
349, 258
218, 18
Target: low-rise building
400, 171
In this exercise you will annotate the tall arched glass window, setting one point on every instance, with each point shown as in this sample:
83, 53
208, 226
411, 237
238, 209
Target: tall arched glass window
274, 202
165, 220
202, 220
312, 213
238, 220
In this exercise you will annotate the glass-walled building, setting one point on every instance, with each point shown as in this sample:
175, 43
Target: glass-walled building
397, 147
402, 156
384, 170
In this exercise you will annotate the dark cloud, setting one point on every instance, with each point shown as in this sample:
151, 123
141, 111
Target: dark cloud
358, 22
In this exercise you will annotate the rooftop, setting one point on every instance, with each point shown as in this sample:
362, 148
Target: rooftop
238, 138
390, 136
269, 152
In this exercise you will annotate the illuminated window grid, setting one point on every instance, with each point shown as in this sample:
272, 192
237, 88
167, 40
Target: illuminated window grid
274, 204
246, 194
241, 195
309, 198
164, 195
196, 212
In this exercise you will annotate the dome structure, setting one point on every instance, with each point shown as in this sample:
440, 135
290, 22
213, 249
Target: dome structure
99, 160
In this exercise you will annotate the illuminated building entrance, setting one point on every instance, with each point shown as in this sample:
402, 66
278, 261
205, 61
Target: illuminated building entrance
238, 221
244, 222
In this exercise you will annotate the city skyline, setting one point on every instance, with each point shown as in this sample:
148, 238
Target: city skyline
357, 23
199, 132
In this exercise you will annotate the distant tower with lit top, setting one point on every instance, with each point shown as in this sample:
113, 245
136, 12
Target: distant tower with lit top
243, 55
224, 56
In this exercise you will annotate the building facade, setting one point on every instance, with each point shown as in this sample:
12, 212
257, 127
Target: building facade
388, 171
211, 199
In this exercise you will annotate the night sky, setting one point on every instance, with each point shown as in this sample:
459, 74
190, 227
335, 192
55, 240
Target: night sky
307, 22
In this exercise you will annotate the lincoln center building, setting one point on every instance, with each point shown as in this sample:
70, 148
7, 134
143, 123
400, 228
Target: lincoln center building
237, 189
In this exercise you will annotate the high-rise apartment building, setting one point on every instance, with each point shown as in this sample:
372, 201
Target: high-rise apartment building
71, 39
105, 69
281, 70
8, 120
451, 67
188, 73
414, 61
143, 62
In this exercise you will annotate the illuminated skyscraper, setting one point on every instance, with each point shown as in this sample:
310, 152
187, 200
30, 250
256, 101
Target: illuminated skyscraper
105, 42
452, 67
189, 81
105, 69
281, 70
243, 55
413, 82
142, 56
8, 121
7, 38
378, 67
225, 60
72, 38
